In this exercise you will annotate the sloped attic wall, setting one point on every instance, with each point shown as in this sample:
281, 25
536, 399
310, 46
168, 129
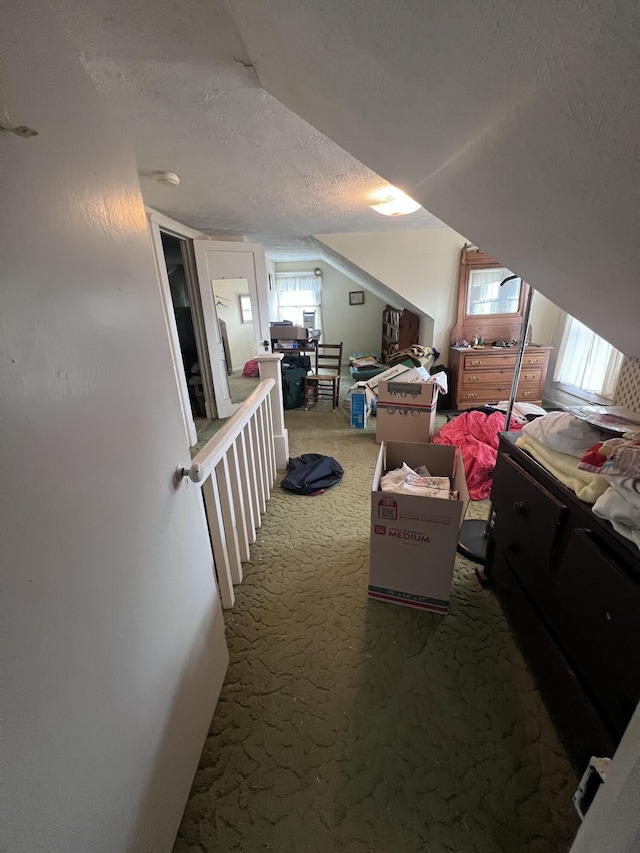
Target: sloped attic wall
514, 122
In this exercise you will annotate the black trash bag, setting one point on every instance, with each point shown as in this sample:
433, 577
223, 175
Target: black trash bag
311, 473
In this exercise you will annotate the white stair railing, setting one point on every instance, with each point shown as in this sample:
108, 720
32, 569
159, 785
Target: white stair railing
236, 471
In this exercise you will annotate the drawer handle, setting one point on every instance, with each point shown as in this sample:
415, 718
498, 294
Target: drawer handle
534, 361
528, 394
475, 362
529, 376
520, 508
473, 378
471, 396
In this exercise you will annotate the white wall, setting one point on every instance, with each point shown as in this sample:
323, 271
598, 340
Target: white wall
359, 327
544, 316
422, 266
113, 649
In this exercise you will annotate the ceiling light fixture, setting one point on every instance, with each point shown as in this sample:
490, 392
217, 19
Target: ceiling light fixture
167, 178
393, 202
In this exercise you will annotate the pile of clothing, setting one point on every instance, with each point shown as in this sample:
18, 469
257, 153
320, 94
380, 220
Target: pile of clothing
420, 482
602, 470
558, 441
618, 461
476, 434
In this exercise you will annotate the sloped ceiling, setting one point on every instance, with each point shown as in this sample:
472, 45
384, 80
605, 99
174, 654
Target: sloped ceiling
516, 123
182, 85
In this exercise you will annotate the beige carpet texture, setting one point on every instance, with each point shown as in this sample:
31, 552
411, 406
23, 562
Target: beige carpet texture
347, 724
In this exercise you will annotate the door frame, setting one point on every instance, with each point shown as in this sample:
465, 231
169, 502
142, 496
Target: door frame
158, 223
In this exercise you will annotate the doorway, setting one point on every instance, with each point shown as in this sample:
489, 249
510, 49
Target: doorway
189, 267
177, 252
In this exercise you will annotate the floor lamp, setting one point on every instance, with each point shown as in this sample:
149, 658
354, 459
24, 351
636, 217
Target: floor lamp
474, 533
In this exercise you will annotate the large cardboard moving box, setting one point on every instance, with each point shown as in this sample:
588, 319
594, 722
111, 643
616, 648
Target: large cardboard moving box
414, 539
406, 409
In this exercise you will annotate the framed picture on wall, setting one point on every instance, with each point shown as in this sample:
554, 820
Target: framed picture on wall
356, 297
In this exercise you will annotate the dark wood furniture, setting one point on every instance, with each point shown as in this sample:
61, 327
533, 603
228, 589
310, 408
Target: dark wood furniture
491, 312
571, 588
400, 329
485, 375
324, 382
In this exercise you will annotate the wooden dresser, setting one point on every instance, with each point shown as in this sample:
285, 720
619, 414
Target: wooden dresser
571, 588
485, 375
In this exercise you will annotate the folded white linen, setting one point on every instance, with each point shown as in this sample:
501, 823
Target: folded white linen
627, 487
587, 486
624, 516
563, 432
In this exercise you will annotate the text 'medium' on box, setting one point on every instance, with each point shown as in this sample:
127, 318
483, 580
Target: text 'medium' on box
413, 539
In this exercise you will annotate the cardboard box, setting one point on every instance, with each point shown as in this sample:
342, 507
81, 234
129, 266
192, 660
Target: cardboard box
406, 411
413, 539
288, 333
386, 375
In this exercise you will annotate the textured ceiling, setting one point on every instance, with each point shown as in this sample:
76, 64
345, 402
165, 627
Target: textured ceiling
178, 78
515, 122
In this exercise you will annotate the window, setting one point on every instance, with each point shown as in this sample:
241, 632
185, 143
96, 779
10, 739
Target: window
587, 364
299, 298
245, 309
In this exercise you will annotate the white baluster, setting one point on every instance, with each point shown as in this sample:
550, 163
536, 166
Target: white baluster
238, 501
229, 519
246, 484
218, 543
254, 429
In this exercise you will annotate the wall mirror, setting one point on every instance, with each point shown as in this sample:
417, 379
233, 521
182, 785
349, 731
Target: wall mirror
235, 319
485, 308
486, 296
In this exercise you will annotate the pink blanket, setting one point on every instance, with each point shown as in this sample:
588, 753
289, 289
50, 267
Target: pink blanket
476, 434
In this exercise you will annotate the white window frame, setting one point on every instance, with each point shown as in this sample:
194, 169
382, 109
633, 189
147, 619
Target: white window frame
291, 284
246, 310
573, 327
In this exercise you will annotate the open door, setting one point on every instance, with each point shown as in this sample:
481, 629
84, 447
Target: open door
216, 263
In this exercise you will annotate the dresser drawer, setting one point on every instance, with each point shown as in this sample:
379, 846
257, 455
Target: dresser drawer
491, 359
492, 393
528, 523
534, 360
494, 358
584, 731
532, 376
599, 626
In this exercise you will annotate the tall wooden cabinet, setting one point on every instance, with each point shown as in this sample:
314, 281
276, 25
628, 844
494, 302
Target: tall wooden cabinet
491, 305
400, 329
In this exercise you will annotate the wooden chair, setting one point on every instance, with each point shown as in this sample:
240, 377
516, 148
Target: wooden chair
324, 383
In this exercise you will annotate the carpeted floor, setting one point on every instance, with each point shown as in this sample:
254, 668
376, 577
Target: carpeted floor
351, 725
